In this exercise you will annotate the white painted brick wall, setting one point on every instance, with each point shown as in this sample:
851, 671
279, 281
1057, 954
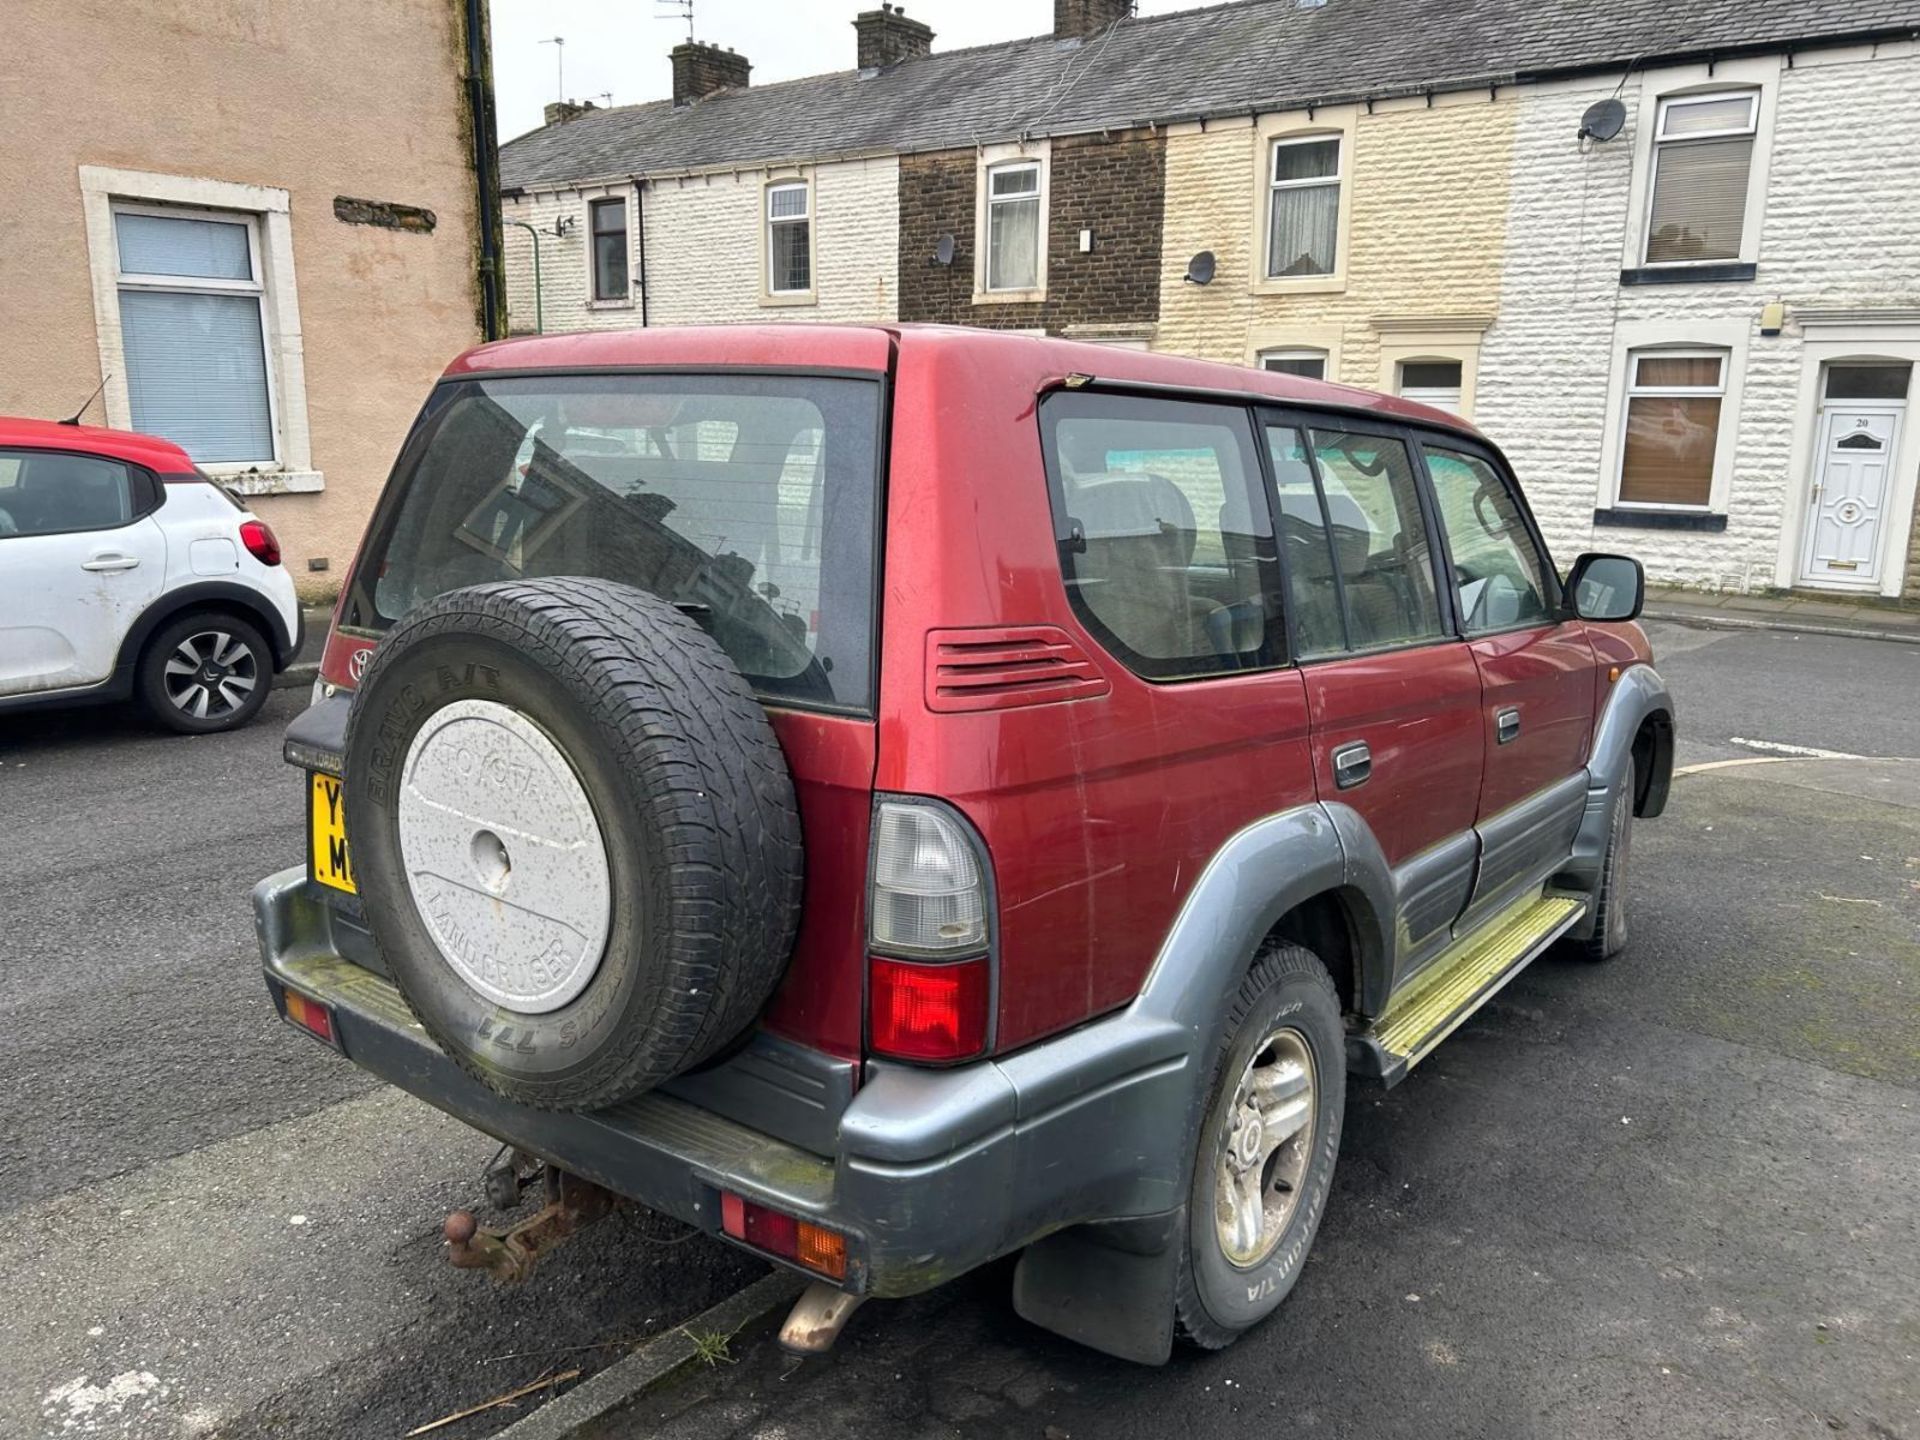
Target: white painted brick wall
1842, 228
703, 252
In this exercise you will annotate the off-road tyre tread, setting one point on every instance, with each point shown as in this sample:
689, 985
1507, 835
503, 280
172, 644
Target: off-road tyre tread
699, 749
1609, 892
1276, 960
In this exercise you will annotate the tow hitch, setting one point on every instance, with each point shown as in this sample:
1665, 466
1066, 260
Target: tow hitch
511, 1254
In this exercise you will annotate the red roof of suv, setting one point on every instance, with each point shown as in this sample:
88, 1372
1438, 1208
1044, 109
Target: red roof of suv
868, 347
161, 456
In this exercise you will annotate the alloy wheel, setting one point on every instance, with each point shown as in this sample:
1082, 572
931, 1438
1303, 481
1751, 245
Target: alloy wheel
211, 674
1266, 1147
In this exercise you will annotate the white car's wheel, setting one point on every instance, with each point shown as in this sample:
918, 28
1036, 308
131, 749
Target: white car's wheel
205, 672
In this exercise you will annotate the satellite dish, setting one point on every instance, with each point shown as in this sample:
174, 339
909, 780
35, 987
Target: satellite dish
1603, 120
943, 250
1200, 268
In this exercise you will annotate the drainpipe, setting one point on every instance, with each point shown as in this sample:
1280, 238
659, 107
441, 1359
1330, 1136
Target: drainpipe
539, 315
486, 173
640, 213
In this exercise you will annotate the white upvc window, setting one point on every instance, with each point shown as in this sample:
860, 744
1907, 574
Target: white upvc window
789, 239
1432, 381
1304, 361
1014, 227
197, 315
1303, 207
1703, 155
1669, 449
193, 333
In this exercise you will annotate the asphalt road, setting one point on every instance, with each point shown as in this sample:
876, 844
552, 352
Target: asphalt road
1627, 1198
209, 1225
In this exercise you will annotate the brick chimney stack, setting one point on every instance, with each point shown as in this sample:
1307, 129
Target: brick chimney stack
559, 112
1077, 19
887, 36
700, 69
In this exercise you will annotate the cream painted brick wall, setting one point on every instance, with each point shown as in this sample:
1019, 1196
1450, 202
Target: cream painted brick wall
703, 252
1425, 237
1841, 228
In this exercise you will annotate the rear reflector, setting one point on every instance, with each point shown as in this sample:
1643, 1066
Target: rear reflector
928, 1012
311, 1016
801, 1241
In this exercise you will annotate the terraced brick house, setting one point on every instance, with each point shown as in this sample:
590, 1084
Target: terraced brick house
1664, 253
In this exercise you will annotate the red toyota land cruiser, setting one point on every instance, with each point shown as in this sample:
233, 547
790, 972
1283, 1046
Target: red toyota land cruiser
895, 797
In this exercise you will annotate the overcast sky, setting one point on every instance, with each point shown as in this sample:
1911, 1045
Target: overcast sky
620, 46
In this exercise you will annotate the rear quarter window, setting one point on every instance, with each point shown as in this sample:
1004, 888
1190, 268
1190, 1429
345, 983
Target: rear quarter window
1165, 537
747, 500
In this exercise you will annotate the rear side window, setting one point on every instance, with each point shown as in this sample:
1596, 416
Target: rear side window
1359, 564
1166, 543
45, 492
747, 500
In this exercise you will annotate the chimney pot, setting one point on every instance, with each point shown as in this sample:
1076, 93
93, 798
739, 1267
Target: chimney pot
699, 70
886, 37
1078, 19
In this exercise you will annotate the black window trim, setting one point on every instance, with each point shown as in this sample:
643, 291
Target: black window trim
1305, 418
1276, 656
145, 493
1504, 472
357, 598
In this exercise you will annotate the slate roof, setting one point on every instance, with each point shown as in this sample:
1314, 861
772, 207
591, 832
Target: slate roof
1229, 59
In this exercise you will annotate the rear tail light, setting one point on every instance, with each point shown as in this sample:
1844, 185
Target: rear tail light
929, 1012
930, 974
929, 895
812, 1246
260, 541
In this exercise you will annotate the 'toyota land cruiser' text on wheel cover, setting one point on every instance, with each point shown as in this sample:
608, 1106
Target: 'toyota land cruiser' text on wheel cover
574, 834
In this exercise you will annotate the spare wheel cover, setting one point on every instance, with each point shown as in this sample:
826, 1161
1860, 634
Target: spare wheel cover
504, 857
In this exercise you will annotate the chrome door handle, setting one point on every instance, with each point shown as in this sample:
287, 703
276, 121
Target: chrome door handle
1506, 724
1352, 764
109, 560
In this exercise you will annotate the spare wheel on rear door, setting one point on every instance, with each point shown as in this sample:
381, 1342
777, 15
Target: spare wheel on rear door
574, 836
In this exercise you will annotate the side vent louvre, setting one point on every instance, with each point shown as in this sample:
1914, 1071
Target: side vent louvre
1004, 668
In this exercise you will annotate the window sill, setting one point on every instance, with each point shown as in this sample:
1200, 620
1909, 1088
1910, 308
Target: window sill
1629, 518
1335, 284
1720, 274
610, 304
1009, 297
798, 297
269, 482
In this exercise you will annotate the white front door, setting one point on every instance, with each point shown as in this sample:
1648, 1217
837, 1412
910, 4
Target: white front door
1846, 509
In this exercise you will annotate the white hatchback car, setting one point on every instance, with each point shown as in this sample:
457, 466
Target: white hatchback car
127, 573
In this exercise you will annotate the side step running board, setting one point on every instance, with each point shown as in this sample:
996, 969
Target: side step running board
1441, 997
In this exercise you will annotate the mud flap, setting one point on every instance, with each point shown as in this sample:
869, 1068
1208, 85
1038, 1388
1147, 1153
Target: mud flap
1108, 1286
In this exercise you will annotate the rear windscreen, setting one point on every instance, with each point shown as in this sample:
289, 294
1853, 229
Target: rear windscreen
746, 500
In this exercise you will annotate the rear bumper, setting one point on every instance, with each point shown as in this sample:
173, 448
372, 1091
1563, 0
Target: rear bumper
933, 1172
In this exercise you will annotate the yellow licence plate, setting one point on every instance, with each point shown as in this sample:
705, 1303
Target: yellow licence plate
327, 824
